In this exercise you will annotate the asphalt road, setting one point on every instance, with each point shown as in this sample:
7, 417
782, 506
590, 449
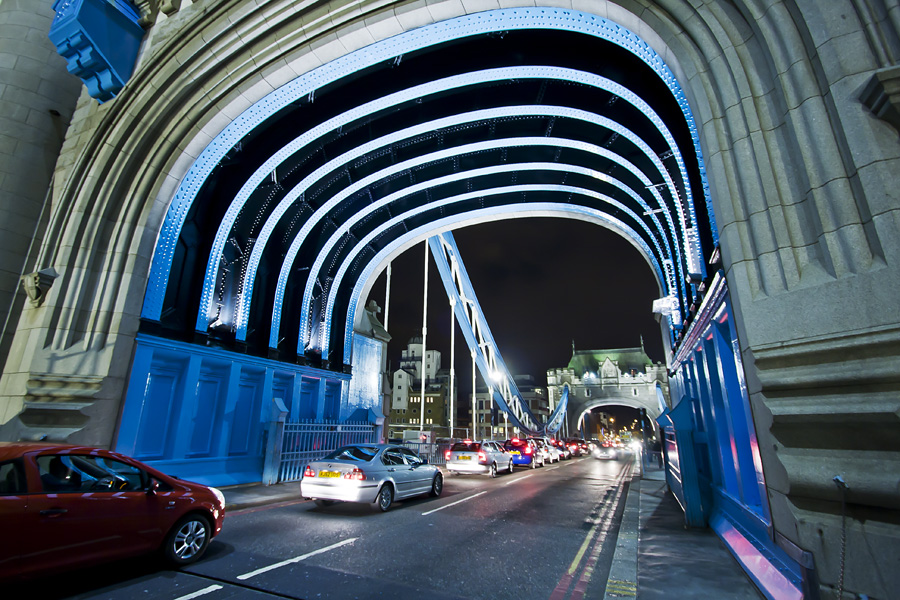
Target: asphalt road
542, 533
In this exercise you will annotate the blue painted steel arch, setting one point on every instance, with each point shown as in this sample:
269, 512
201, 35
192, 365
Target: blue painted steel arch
455, 221
222, 235
303, 339
506, 19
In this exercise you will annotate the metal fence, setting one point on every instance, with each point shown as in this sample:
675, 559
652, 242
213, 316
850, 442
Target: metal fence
435, 453
305, 441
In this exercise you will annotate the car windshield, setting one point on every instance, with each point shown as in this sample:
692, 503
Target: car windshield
466, 447
353, 453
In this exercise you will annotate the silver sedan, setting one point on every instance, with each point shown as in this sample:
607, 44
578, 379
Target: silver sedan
374, 474
485, 457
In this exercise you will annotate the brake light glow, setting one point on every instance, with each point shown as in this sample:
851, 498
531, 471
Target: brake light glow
482, 457
356, 474
308, 472
528, 450
515, 440
447, 455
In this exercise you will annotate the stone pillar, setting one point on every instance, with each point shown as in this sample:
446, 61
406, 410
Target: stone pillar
37, 100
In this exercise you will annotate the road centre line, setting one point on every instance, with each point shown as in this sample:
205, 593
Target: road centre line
296, 559
516, 480
199, 593
452, 503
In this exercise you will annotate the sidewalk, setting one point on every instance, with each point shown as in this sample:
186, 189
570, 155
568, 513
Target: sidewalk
655, 554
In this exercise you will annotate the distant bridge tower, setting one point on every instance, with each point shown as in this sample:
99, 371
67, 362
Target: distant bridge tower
623, 376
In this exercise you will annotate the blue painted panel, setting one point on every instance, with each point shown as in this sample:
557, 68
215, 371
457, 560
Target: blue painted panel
164, 401
162, 389
241, 418
332, 400
308, 388
205, 413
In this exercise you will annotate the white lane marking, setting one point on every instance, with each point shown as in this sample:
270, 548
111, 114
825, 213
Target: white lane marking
452, 503
295, 560
516, 480
551, 468
199, 593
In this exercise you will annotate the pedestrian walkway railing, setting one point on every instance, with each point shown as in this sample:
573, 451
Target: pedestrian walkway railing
304, 441
434, 453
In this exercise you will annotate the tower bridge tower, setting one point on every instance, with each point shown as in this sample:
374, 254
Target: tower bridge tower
620, 376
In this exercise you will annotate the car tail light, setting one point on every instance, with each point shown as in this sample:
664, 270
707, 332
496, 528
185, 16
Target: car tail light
308, 472
528, 450
447, 455
482, 457
356, 474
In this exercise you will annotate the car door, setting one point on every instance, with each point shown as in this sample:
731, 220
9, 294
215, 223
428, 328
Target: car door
13, 500
420, 477
86, 509
398, 471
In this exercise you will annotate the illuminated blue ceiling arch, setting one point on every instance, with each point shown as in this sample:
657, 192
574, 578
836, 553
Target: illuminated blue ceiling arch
541, 72
448, 223
475, 147
555, 188
489, 21
672, 284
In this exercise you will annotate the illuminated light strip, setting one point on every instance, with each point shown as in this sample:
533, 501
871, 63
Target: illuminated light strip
484, 214
198, 593
512, 189
421, 37
228, 220
425, 514
320, 213
290, 255
297, 559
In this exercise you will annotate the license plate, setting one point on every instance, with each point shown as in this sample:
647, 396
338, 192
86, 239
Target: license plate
329, 474
464, 457
516, 452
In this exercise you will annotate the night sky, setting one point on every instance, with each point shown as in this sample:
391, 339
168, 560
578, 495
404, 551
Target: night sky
542, 284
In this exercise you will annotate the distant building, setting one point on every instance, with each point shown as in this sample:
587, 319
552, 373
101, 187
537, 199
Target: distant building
406, 411
596, 378
535, 396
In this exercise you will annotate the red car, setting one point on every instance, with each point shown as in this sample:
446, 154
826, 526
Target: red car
64, 506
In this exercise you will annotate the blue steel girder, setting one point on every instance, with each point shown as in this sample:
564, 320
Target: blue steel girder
481, 341
214, 265
362, 244
489, 21
450, 222
654, 237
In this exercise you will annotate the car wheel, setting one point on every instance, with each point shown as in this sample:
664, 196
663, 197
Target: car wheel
437, 485
385, 497
493, 470
323, 502
510, 469
187, 540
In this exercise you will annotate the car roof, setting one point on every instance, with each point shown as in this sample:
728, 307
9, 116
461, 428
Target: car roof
10, 450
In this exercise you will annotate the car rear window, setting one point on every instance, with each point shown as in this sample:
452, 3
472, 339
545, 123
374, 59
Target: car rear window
465, 447
355, 453
516, 443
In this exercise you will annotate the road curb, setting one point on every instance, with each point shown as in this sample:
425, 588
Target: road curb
622, 581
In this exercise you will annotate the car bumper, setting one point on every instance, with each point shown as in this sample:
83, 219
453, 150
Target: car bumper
522, 460
344, 491
467, 467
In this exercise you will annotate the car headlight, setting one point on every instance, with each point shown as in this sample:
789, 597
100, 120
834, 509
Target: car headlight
219, 496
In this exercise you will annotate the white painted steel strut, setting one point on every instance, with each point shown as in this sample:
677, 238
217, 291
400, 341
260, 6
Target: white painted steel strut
481, 342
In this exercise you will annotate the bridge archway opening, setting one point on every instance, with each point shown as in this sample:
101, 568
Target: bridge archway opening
276, 230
